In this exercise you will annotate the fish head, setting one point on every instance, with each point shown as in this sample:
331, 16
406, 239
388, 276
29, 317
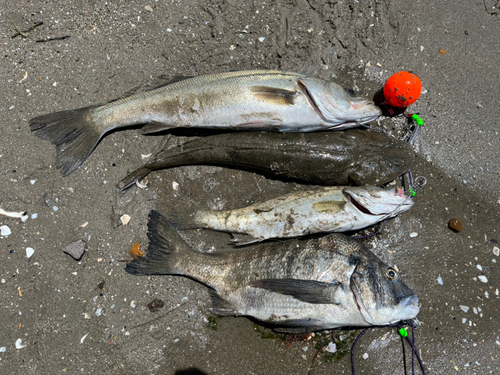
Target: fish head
372, 200
336, 106
380, 294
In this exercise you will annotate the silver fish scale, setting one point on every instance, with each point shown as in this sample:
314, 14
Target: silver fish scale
213, 101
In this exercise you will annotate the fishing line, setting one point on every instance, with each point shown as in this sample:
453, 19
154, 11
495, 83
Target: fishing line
404, 335
411, 192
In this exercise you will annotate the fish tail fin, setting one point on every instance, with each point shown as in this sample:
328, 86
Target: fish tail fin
74, 134
133, 177
165, 250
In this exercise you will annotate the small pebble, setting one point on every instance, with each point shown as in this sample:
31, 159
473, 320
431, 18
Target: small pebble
29, 252
148, 8
3, 349
365, 356
34, 216
496, 251
156, 305
55, 208
5, 231
442, 52
24, 219
98, 312
486, 294
440, 280
261, 39
455, 225
32, 182
75, 250
483, 279
413, 234
464, 320
464, 308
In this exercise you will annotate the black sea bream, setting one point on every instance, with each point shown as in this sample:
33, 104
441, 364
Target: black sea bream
319, 283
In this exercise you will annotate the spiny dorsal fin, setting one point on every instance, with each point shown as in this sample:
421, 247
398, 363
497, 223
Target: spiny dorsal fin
309, 291
274, 94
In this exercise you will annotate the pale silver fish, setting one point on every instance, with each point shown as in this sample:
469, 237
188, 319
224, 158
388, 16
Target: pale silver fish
324, 210
321, 283
243, 100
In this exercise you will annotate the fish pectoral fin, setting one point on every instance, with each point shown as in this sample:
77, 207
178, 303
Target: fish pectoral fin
273, 94
220, 306
263, 209
309, 291
239, 239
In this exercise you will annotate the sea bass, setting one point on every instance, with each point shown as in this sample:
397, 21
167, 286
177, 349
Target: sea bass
320, 283
243, 100
327, 158
328, 209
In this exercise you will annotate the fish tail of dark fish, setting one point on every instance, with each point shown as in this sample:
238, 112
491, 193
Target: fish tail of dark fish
133, 177
73, 133
167, 158
165, 250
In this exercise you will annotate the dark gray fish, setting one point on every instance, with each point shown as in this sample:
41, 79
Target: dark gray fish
329, 158
242, 100
320, 283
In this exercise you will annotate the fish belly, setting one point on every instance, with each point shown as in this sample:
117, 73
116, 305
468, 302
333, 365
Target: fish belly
286, 310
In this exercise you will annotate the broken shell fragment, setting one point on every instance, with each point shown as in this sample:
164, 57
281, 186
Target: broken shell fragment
125, 219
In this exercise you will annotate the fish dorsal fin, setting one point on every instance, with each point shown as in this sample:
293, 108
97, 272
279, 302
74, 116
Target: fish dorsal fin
309, 291
274, 94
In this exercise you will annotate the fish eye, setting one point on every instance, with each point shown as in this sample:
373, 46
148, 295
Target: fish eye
392, 274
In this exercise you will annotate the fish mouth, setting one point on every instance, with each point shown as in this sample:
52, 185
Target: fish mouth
410, 305
359, 206
395, 202
369, 111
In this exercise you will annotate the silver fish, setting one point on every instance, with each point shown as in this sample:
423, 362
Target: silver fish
328, 209
244, 100
320, 283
